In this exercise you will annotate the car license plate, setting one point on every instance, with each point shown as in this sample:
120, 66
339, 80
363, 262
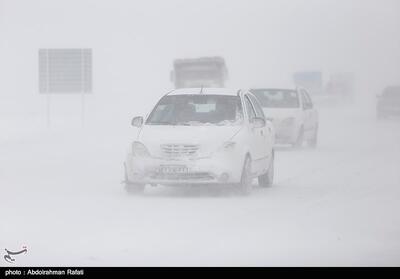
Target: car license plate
178, 169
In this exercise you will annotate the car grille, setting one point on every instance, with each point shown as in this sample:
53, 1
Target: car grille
175, 151
194, 176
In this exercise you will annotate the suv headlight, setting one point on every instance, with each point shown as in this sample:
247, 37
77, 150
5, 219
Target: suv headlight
139, 150
288, 121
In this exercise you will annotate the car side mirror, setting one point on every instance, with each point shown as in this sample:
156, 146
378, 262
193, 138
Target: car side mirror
137, 121
259, 122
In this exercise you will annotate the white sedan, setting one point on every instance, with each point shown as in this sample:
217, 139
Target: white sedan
200, 137
292, 113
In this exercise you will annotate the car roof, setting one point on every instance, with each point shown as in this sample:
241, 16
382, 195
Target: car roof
274, 88
205, 91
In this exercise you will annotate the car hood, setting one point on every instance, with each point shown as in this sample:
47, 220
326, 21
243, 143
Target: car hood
207, 139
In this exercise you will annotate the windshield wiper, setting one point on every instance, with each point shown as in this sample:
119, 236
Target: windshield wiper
190, 123
161, 123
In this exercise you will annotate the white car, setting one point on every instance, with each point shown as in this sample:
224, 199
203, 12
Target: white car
202, 136
292, 112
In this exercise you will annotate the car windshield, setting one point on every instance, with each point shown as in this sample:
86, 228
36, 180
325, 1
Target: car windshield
277, 98
195, 110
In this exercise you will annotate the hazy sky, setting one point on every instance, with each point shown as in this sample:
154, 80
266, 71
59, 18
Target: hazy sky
264, 42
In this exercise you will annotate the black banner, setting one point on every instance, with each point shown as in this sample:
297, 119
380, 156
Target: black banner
83, 272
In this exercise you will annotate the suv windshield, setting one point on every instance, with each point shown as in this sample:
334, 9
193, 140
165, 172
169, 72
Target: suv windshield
277, 98
197, 110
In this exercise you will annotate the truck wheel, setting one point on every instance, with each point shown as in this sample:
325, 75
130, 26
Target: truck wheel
314, 141
267, 179
246, 178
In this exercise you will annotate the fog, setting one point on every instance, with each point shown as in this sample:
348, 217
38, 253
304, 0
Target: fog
62, 155
262, 41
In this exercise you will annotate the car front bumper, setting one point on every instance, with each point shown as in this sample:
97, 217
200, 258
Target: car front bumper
212, 170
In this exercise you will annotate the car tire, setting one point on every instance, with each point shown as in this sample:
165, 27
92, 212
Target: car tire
314, 141
267, 179
133, 188
300, 138
246, 178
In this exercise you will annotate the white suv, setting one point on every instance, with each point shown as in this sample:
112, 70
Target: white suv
202, 136
293, 114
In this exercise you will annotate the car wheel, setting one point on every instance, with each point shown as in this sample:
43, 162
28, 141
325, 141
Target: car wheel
314, 141
246, 178
300, 139
133, 188
267, 179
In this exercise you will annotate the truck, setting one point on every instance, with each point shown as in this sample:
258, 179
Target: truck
199, 72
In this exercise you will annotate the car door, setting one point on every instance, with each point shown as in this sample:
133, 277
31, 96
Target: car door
313, 111
268, 131
268, 136
312, 114
258, 134
307, 113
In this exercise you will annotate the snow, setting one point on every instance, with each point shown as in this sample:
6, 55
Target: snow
337, 205
60, 187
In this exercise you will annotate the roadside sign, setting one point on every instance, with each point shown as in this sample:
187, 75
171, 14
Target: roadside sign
65, 71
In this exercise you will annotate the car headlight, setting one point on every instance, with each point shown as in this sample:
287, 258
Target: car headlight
229, 145
139, 150
224, 149
288, 121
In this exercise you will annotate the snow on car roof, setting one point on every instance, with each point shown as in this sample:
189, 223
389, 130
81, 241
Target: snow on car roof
205, 91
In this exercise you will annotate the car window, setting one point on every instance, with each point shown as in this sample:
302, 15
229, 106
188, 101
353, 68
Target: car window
257, 106
250, 111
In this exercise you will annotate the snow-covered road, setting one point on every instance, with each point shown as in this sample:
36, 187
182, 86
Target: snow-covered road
60, 195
